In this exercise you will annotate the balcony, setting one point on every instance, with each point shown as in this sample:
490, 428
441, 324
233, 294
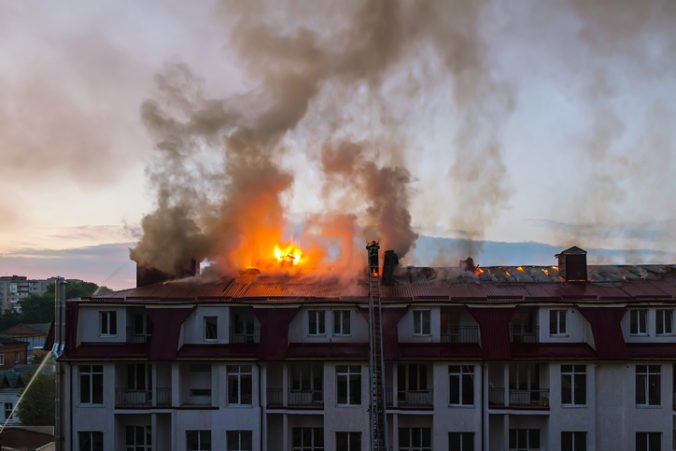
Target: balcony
296, 398
533, 398
415, 398
519, 333
461, 334
245, 338
142, 398
135, 337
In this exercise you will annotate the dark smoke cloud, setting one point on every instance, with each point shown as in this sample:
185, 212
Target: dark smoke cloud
295, 56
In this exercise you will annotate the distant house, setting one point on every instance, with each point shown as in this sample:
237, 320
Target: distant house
12, 383
12, 352
32, 334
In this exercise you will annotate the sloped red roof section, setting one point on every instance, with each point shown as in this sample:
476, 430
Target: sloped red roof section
607, 331
494, 327
166, 329
275, 322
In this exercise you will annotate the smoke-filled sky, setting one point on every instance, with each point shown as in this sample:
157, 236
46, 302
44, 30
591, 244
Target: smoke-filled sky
512, 121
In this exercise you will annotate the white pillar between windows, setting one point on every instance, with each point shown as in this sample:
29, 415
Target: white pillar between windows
505, 432
285, 384
175, 384
285, 431
395, 384
505, 382
153, 381
264, 402
395, 431
153, 431
484, 410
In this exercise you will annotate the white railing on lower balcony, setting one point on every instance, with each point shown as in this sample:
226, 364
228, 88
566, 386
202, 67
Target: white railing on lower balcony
519, 398
295, 398
415, 398
141, 398
135, 337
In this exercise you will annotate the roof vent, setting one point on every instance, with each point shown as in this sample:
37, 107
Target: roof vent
573, 264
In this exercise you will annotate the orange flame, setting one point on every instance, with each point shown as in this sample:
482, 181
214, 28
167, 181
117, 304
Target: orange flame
519, 268
546, 271
289, 255
478, 271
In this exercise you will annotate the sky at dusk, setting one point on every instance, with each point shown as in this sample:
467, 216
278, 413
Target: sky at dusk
582, 145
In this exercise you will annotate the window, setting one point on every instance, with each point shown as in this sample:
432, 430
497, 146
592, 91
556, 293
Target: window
638, 322
239, 440
17, 358
91, 384
242, 323
108, 323
573, 441
139, 377
8, 410
349, 384
412, 377
421, 322
211, 328
573, 385
648, 385
524, 439
90, 440
348, 441
665, 321
200, 392
316, 325
461, 441
307, 439
461, 382
239, 384
415, 439
306, 383
557, 322
341, 322
648, 441
2, 359
138, 438
198, 440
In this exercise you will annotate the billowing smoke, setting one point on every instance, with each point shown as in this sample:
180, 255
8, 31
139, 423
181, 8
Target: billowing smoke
218, 161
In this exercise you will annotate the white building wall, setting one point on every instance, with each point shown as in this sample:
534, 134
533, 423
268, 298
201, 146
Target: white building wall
193, 326
299, 327
90, 324
406, 327
578, 329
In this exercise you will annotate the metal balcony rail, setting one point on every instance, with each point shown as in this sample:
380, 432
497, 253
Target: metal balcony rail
163, 396
296, 398
245, 338
519, 333
137, 337
133, 397
415, 398
461, 334
519, 398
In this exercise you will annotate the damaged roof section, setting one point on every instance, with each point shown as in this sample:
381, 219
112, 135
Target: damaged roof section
485, 284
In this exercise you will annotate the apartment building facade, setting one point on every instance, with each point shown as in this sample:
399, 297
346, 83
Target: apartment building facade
471, 364
14, 289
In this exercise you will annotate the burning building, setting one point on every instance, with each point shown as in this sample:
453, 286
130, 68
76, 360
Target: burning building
569, 357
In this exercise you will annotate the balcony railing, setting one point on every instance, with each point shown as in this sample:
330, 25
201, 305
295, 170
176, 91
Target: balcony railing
245, 338
140, 398
415, 398
136, 337
461, 334
296, 398
519, 398
523, 334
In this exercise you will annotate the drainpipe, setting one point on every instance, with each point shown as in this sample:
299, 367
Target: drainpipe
260, 405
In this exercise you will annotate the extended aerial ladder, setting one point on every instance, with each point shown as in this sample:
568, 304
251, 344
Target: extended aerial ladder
377, 395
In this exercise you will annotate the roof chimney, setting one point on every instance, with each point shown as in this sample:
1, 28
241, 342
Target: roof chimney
146, 275
390, 262
573, 264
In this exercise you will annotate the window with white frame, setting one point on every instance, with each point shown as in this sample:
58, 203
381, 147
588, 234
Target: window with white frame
139, 377
108, 323
138, 438
415, 439
341, 322
461, 385
306, 383
648, 441
573, 385
316, 322
461, 441
348, 384
648, 385
664, 321
422, 323
348, 441
198, 440
90, 440
573, 441
211, 328
638, 322
239, 384
524, 439
307, 439
91, 384
239, 440
557, 323
8, 409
